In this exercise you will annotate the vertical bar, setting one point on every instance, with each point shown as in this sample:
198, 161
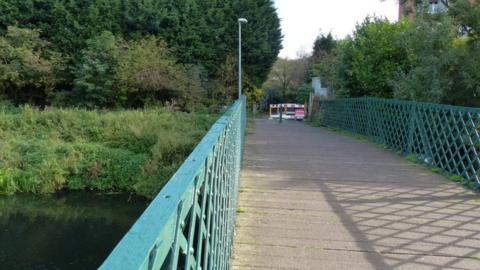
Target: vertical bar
211, 197
411, 129
175, 246
239, 60
202, 235
191, 228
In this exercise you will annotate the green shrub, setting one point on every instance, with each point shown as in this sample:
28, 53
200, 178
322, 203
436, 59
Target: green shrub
133, 151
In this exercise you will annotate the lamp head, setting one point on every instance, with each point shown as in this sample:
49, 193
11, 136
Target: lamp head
242, 20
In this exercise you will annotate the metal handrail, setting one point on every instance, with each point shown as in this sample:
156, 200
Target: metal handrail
190, 223
442, 136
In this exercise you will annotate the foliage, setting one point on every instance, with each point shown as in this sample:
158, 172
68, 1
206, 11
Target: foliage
254, 96
134, 151
445, 66
432, 59
324, 59
226, 87
115, 73
95, 73
286, 77
201, 34
323, 46
467, 16
147, 72
364, 64
27, 66
303, 93
375, 56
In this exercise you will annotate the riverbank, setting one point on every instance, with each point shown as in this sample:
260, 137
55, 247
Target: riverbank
136, 151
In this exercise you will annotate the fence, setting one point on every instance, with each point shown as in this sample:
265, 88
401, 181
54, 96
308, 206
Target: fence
190, 224
442, 136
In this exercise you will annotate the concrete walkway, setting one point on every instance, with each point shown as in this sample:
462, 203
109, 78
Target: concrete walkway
315, 199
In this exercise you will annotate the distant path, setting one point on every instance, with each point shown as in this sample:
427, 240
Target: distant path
314, 199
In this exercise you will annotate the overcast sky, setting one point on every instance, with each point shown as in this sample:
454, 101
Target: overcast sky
303, 20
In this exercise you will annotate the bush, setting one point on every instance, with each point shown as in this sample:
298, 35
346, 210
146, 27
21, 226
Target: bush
370, 60
28, 68
95, 72
132, 151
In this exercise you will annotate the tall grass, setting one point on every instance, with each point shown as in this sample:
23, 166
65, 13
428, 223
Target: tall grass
42, 151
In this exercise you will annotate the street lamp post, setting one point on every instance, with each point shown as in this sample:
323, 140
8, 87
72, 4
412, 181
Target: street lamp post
240, 21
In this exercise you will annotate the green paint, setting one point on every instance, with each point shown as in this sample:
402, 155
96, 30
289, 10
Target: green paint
190, 224
440, 136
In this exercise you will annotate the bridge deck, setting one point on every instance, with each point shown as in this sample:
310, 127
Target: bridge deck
314, 199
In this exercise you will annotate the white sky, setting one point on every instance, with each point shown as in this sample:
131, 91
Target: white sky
303, 20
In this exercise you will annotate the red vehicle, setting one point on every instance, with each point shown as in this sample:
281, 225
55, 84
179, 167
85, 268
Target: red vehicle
289, 110
300, 113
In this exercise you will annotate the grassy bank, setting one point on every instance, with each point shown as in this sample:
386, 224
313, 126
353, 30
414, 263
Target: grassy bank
42, 151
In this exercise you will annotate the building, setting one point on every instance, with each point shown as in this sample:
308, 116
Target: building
409, 7
406, 8
319, 89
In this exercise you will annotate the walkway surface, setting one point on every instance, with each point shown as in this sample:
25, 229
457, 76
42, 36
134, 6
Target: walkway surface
315, 199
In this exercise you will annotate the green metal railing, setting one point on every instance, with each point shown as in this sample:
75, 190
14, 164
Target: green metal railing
190, 224
442, 136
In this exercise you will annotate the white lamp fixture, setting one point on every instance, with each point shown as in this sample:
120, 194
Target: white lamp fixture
240, 22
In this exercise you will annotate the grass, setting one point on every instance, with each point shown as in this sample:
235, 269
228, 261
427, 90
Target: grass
453, 177
43, 151
315, 121
412, 158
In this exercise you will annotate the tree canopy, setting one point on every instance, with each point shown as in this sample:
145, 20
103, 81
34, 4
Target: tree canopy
199, 34
434, 58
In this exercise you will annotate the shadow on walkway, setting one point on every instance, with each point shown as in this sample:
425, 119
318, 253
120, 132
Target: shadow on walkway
314, 199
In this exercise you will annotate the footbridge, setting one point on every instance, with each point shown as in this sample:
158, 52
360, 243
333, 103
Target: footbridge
319, 198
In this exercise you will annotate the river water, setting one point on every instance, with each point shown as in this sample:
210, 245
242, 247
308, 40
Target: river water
75, 230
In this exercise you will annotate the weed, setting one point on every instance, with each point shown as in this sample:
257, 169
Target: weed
412, 158
43, 151
455, 178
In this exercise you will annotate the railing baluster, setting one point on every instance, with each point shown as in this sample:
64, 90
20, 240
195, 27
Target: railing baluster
178, 228
437, 134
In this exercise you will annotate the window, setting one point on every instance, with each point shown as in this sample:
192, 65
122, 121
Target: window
435, 6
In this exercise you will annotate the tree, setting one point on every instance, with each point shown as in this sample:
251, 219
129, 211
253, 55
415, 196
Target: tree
322, 47
445, 67
94, 84
226, 87
467, 15
373, 57
427, 42
303, 93
147, 72
27, 66
199, 33
282, 74
286, 77
262, 37
323, 61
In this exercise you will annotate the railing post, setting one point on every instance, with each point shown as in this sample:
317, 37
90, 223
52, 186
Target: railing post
411, 128
179, 229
